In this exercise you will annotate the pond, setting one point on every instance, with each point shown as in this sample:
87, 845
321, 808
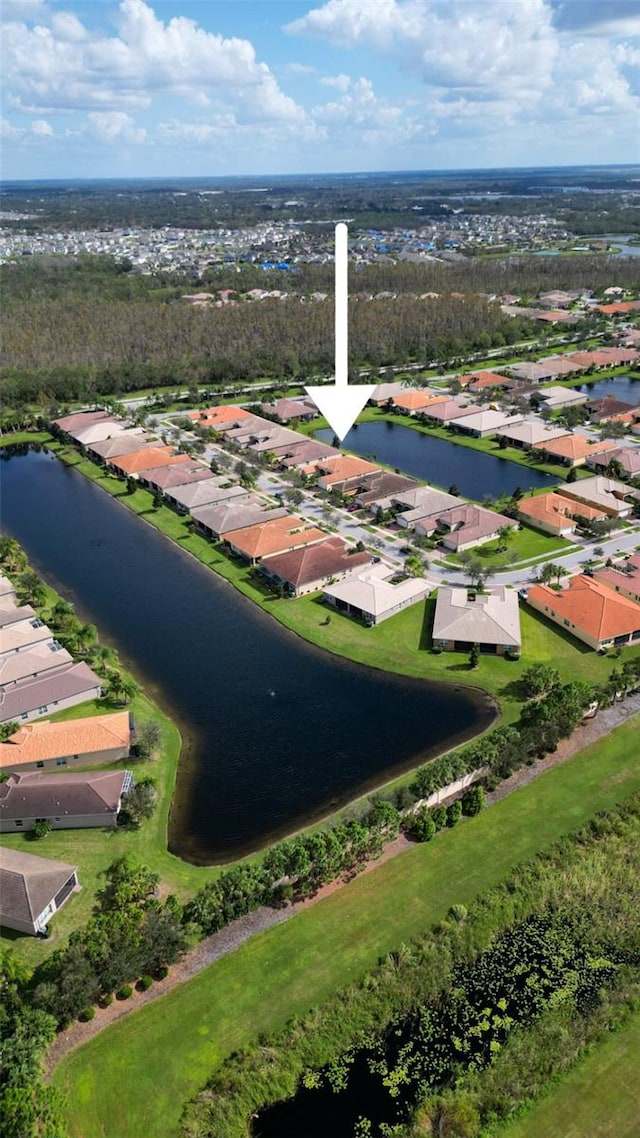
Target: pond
619, 386
440, 462
276, 732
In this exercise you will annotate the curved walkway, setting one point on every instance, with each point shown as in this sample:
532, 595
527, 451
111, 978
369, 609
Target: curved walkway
235, 934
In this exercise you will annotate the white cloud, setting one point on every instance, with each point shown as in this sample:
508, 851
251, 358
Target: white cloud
299, 69
63, 66
112, 126
9, 131
41, 128
340, 82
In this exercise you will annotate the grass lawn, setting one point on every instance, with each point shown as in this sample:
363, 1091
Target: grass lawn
17, 437
135, 1077
528, 544
598, 1099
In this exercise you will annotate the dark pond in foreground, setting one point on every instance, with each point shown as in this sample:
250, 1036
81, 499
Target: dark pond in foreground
277, 732
438, 461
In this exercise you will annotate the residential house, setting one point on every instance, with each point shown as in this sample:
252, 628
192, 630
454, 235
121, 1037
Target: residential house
284, 410
55, 690
159, 479
372, 596
45, 656
531, 372
216, 521
623, 578
275, 535
131, 465
97, 432
94, 741
616, 499
628, 458
590, 611
66, 801
311, 567
530, 432
208, 491
220, 417
126, 442
488, 381
490, 619
385, 392
574, 449
421, 503
300, 454
376, 491
612, 410
485, 422
78, 419
560, 366
32, 889
553, 513
341, 473
465, 527
555, 398
23, 635
412, 402
443, 414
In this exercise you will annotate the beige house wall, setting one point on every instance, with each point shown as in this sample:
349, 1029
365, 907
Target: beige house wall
73, 762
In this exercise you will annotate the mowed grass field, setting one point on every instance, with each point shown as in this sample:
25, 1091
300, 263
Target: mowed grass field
599, 1099
135, 1077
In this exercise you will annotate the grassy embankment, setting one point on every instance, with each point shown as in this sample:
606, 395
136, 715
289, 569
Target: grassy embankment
135, 1077
599, 1098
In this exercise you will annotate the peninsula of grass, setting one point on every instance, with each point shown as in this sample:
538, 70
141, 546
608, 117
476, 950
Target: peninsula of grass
599, 1097
136, 1076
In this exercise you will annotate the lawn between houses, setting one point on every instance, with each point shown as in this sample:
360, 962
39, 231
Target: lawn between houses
599, 1097
135, 1076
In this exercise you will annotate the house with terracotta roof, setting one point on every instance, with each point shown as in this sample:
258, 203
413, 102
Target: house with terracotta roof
411, 402
619, 307
90, 742
590, 611
130, 465
32, 889
555, 514
340, 473
616, 499
465, 526
372, 595
574, 449
623, 578
488, 380
310, 567
277, 535
217, 417
66, 801
465, 617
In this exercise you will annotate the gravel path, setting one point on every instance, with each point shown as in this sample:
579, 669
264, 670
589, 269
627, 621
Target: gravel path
235, 934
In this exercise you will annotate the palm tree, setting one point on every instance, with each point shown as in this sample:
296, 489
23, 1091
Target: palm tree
12, 555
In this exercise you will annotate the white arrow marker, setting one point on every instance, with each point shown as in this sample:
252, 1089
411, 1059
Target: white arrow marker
341, 404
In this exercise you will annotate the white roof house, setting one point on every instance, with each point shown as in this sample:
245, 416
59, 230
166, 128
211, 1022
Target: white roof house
423, 502
490, 619
530, 432
371, 595
486, 422
615, 498
556, 397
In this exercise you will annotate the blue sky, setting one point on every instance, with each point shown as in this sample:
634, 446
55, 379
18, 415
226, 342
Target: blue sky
127, 88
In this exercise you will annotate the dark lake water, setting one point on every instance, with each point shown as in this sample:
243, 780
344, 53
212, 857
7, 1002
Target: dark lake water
619, 386
276, 732
440, 462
